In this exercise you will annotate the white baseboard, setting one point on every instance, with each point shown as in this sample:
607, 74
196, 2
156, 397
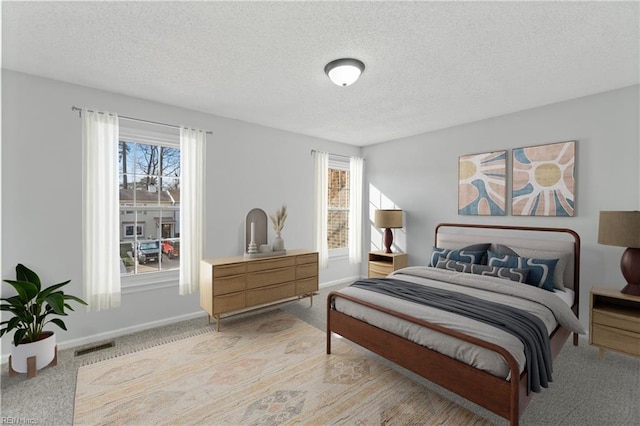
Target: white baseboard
348, 280
83, 341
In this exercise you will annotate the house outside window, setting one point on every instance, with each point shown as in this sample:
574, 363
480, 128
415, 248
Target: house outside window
128, 230
149, 190
338, 207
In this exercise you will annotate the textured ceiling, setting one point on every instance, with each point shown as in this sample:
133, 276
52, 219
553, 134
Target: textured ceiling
429, 65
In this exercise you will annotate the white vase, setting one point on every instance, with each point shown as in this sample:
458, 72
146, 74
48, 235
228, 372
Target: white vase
44, 350
278, 243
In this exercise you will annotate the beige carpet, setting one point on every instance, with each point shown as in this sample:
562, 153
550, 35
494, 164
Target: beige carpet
266, 369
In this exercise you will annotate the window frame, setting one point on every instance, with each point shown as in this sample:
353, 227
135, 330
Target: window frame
128, 224
133, 283
338, 163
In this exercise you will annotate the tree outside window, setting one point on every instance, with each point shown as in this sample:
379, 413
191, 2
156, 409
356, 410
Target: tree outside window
149, 204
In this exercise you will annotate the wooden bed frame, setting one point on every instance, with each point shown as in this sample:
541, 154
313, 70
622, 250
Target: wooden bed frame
506, 398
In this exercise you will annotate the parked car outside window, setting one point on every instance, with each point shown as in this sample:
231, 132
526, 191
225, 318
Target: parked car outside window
148, 252
171, 249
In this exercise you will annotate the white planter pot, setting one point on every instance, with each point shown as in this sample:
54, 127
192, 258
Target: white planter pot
44, 350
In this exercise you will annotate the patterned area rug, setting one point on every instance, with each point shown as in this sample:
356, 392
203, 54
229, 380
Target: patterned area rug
266, 369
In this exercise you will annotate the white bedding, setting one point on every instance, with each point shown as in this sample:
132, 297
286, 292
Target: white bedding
567, 296
552, 309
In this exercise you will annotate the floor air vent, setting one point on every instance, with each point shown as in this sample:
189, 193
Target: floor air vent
94, 348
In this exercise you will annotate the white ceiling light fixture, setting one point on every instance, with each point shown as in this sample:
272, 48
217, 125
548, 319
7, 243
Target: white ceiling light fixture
345, 71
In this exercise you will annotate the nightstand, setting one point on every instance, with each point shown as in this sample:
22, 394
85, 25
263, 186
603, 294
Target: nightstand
382, 264
614, 321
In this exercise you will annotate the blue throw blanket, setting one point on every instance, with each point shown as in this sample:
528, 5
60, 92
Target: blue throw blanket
527, 327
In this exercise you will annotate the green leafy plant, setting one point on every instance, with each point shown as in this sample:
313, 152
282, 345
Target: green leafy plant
32, 307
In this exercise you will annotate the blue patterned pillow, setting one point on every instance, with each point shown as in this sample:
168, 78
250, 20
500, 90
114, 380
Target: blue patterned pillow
469, 256
513, 274
540, 270
563, 259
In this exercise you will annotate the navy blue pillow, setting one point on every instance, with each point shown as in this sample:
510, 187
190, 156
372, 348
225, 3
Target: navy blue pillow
469, 256
540, 270
479, 247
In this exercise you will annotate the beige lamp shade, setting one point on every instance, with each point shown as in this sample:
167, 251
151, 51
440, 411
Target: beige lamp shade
619, 228
388, 219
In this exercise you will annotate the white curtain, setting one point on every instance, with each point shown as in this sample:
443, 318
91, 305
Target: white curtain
192, 143
355, 209
100, 212
321, 169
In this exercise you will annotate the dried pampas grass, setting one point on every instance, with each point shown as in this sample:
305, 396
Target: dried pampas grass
278, 219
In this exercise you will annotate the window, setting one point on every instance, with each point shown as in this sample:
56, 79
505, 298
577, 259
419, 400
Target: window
149, 189
338, 207
128, 230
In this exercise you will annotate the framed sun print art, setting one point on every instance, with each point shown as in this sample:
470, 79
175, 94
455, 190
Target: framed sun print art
544, 180
482, 184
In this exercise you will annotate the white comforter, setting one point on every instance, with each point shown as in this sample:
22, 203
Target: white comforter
541, 303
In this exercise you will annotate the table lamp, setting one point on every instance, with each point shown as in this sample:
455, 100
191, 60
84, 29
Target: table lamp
622, 229
388, 219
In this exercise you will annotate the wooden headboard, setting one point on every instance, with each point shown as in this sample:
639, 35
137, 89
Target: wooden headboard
564, 240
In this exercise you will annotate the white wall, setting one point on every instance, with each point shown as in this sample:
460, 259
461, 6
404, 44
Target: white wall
254, 166
247, 166
419, 173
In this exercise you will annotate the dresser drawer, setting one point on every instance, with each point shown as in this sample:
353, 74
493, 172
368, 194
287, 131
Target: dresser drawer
616, 339
307, 285
229, 302
272, 276
380, 268
230, 284
373, 274
271, 293
307, 258
263, 265
307, 270
611, 319
230, 269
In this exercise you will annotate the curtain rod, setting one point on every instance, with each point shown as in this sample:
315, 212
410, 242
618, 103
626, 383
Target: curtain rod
75, 108
335, 155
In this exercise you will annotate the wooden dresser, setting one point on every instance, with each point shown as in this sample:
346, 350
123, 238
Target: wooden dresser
233, 284
614, 321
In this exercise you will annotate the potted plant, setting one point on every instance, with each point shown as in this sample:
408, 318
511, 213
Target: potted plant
32, 308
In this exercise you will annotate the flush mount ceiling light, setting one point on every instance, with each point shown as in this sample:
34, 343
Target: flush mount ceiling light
345, 71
